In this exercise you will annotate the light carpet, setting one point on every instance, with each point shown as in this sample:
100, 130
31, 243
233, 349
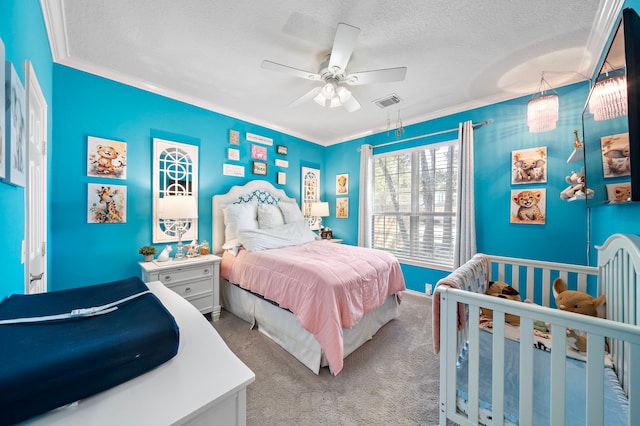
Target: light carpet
391, 380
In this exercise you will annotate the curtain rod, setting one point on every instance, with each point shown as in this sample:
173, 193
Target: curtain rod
428, 135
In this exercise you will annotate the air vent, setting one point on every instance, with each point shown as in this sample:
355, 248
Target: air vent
387, 101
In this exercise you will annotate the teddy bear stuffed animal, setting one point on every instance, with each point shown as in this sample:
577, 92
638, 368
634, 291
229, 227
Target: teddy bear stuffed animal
504, 291
580, 303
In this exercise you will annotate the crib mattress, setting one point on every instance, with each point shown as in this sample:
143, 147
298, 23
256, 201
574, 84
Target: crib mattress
616, 403
48, 364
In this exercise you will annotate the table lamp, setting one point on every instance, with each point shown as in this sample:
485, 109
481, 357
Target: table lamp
319, 209
177, 211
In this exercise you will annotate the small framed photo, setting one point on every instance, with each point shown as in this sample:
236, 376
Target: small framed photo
259, 152
106, 203
282, 150
233, 154
618, 192
615, 155
529, 166
16, 128
282, 178
259, 168
342, 208
106, 158
342, 184
529, 206
234, 137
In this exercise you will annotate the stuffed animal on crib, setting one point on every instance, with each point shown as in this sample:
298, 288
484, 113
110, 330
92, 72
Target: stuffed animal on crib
504, 291
580, 303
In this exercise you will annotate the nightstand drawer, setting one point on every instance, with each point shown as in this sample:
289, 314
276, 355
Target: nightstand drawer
180, 274
203, 303
192, 288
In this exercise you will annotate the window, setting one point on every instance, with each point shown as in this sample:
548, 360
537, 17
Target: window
415, 194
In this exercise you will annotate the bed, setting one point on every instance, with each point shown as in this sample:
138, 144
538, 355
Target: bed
524, 376
299, 291
204, 383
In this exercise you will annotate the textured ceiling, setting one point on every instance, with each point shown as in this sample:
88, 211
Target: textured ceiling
459, 54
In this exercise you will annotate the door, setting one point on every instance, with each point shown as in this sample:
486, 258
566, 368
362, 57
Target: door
36, 188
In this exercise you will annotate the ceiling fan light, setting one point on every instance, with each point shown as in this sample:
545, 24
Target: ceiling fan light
344, 94
329, 90
321, 100
335, 102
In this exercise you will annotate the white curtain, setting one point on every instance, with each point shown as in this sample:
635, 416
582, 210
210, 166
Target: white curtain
465, 218
364, 208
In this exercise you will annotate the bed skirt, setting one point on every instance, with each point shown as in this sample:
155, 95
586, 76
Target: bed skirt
281, 325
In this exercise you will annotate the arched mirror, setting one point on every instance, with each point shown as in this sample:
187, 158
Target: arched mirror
611, 120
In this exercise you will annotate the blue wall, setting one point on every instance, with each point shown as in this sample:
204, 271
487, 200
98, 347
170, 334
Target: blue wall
24, 36
85, 105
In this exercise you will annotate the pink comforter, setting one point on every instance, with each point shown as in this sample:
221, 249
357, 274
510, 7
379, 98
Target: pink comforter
327, 286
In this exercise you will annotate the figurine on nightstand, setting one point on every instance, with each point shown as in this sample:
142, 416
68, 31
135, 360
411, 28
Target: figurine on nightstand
164, 256
193, 249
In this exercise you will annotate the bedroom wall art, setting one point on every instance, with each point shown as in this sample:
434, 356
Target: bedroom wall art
619, 192
282, 150
529, 165
310, 193
106, 203
259, 139
3, 113
615, 155
281, 178
232, 170
259, 168
528, 206
342, 184
259, 152
233, 154
342, 208
234, 137
175, 172
106, 158
281, 163
16, 129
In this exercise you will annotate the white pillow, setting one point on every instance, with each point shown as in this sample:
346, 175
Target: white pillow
238, 217
269, 216
291, 212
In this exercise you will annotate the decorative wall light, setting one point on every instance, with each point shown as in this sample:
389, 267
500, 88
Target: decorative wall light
542, 110
609, 96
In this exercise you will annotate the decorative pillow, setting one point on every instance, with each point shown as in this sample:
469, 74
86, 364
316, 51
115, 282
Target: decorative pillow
269, 216
291, 212
237, 217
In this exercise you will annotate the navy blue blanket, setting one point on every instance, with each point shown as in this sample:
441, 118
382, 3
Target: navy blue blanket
49, 364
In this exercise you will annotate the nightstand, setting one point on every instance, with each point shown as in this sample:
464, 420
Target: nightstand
196, 279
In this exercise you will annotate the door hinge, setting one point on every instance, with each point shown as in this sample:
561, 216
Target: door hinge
43, 249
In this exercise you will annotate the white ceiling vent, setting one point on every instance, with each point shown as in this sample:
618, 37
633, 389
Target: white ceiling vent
388, 100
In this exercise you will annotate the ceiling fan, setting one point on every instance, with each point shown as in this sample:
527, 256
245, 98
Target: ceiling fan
333, 72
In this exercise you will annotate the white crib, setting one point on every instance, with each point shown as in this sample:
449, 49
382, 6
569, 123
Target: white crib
616, 276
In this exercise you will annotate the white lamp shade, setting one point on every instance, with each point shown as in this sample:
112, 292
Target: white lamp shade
319, 209
178, 207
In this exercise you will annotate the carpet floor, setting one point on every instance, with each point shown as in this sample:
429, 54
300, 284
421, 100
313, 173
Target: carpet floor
392, 379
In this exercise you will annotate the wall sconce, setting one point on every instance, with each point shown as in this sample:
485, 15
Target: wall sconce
609, 97
542, 110
177, 211
320, 210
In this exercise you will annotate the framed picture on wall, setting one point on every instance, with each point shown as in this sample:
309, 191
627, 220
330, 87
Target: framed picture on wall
106, 203
615, 155
342, 208
282, 150
529, 165
528, 206
234, 137
106, 158
310, 193
15, 147
619, 192
259, 168
282, 178
342, 184
259, 152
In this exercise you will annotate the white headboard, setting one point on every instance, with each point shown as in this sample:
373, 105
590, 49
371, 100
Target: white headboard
255, 191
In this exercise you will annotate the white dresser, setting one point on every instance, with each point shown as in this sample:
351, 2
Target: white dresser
196, 279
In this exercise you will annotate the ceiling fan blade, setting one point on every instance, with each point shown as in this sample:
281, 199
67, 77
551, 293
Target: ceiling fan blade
376, 76
274, 66
351, 104
306, 97
343, 45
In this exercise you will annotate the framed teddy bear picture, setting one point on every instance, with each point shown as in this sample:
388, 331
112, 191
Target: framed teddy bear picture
106, 158
529, 166
529, 206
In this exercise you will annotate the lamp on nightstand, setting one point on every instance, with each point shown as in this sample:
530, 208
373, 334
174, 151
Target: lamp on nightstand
319, 210
178, 211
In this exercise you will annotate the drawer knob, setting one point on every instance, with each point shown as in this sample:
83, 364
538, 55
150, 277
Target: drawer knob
206, 271
187, 290
167, 278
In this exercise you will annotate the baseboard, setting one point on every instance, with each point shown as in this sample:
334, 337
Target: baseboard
418, 293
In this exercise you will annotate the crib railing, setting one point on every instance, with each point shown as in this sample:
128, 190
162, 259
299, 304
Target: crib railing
597, 330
